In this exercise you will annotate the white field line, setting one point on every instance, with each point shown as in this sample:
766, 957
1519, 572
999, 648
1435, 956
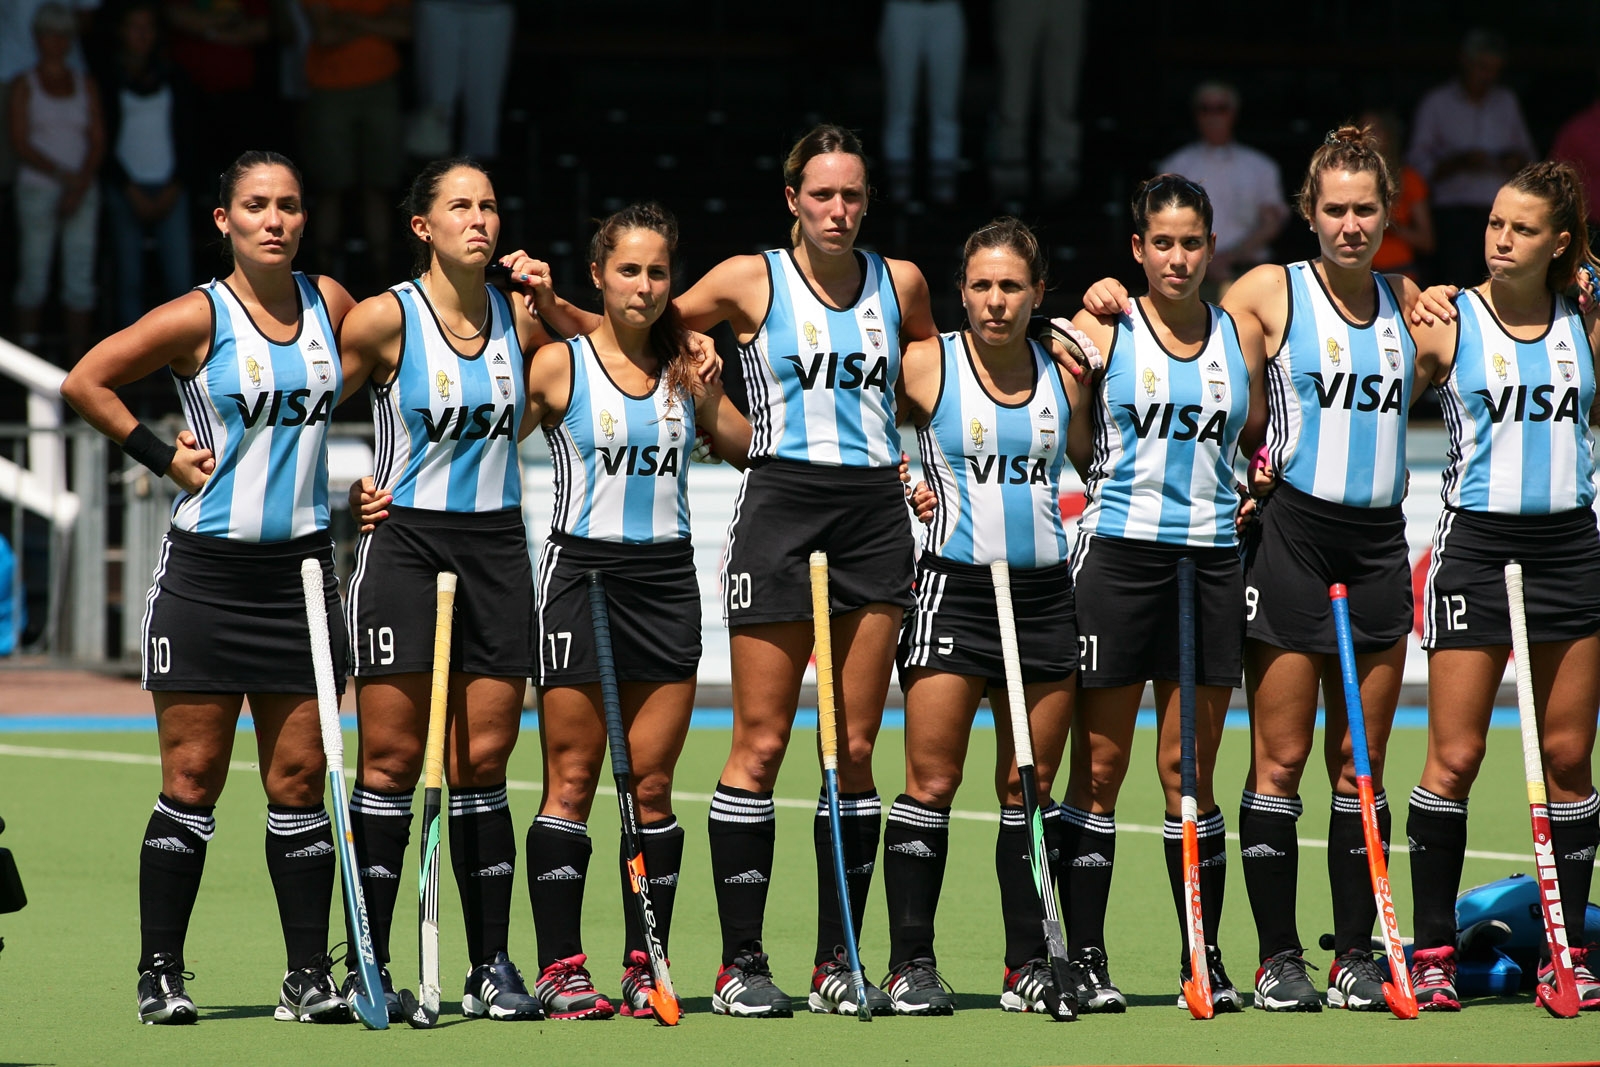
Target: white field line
139, 759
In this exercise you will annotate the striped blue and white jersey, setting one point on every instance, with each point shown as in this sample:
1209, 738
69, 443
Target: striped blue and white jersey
262, 409
621, 461
1337, 397
1518, 414
821, 379
995, 467
446, 425
1166, 437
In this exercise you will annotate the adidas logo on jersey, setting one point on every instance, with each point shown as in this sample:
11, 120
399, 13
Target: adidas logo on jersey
865, 868
1093, 859
566, 873
1583, 855
377, 871
502, 869
1213, 365
167, 844
918, 849
314, 346
869, 314
747, 878
1388, 331
316, 848
1046, 415
1262, 851
499, 357
1562, 346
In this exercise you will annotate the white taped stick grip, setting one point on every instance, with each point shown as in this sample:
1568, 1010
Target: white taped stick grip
1527, 718
1021, 738
322, 664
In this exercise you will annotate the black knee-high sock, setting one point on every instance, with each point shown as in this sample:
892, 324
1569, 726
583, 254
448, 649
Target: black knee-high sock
380, 823
558, 865
916, 842
742, 836
1355, 909
483, 853
663, 859
1087, 863
1212, 841
301, 861
1269, 852
1575, 832
860, 827
170, 864
1019, 901
1436, 831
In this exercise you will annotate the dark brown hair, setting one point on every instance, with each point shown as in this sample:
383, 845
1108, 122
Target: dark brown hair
819, 141
228, 181
419, 201
1011, 234
669, 337
1558, 185
1352, 148
1169, 190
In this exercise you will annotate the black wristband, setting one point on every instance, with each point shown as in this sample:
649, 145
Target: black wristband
147, 448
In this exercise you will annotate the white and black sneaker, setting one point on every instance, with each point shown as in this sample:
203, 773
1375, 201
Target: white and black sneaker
495, 989
1355, 982
916, 988
744, 989
1096, 993
391, 999
310, 995
163, 1001
833, 992
1028, 988
1225, 999
1282, 984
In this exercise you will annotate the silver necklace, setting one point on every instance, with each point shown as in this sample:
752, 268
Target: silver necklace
474, 335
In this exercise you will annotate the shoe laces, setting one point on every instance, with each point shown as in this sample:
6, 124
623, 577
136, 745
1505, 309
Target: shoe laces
638, 971
919, 974
755, 969
1433, 967
164, 967
1362, 965
1095, 967
568, 976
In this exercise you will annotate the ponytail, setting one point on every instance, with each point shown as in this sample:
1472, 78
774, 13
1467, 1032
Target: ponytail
1558, 185
1350, 148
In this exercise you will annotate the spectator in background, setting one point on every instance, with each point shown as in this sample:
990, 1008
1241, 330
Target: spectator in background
924, 39
1410, 232
214, 43
353, 128
1578, 143
1040, 46
145, 105
1245, 188
59, 139
1468, 138
463, 56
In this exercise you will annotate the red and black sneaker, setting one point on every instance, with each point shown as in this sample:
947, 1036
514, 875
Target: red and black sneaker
744, 989
568, 992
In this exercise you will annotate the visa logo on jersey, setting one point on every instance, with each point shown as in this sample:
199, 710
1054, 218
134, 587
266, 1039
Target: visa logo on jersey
1339, 391
283, 408
647, 461
1008, 470
1179, 422
1564, 410
465, 423
854, 370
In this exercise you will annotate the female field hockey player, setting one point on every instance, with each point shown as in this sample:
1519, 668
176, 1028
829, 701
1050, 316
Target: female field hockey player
1518, 485
991, 411
1341, 377
254, 358
447, 358
1182, 394
821, 326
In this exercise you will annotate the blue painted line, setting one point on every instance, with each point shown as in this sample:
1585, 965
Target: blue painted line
1408, 717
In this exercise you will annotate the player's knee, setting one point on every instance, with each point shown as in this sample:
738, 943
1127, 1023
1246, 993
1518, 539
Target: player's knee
936, 787
1456, 766
760, 757
654, 793
1568, 769
197, 786
856, 752
1105, 778
392, 768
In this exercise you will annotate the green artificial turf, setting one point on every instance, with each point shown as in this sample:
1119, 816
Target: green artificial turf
67, 972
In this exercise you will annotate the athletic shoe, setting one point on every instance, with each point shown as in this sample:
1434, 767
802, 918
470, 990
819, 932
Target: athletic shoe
833, 993
496, 989
1283, 985
1096, 994
162, 998
1588, 986
915, 988
1225, 999
391, 999
1355, 981
638, 982
310, 995
744, 989
1433, 979
568, 992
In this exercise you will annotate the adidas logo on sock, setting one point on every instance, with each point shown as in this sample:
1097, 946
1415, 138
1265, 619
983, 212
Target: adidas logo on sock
1093, 859
747, 878
1583, 855
504, 868
918, 849
666, 880
1411, 845
167, 844
1260, 852
1219, 860
865, 868
566, 873
316, 848
377, 871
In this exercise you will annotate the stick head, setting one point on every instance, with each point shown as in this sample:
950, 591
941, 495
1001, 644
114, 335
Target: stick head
373, 1013
666, 1007
1198, 1000
1561, 999
1402, 1006
418, 1017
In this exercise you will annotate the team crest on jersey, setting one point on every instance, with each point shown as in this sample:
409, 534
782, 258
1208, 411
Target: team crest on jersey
975, 431
1567, 369
1149, 379
1218, 389
876, 337
252, 368
811, 334
504, 384
323, 369
1047, 439
1391, 356
442, 382
1333, 351
674, 427
608, 425
1498, 362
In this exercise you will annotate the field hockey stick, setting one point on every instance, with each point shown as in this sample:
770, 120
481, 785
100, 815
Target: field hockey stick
422, 1010
1064, 1007
828, 737
1397, 992
663, 1000
368, 1002
1197, 990
1560, 1000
